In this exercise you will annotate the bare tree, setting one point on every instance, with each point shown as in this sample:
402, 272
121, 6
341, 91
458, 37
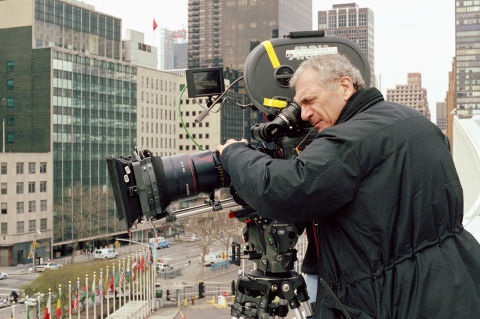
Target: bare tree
86, 209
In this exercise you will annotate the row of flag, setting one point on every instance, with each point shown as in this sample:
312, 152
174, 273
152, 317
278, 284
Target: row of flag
115, 280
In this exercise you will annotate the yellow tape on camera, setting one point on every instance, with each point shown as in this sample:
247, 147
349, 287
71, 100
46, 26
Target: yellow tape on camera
274, 103
271, 54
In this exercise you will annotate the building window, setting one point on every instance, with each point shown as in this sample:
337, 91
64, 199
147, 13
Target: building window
4, 228
10, 66
342, 20
43, 205
10, 84
43, 167
352, 20
43, 187
9, 137
20, 207
10, 120
43, 224
10, 102
4, 208
19, 168
362, 19
31, 187
4, 188
32, 206
19, 187
32, 225
31, 168
332, 21
4, 168
20, 228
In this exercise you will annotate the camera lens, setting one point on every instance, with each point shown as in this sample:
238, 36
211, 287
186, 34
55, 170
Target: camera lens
188, 175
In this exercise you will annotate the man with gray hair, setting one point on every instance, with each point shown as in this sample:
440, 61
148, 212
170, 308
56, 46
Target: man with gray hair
379, 193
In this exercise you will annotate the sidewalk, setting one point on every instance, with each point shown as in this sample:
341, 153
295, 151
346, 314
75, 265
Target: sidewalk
167, 312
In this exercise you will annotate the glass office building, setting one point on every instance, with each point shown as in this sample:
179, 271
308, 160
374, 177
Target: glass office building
94, 116
467, 52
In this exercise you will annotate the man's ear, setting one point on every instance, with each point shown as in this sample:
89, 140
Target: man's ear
347, 89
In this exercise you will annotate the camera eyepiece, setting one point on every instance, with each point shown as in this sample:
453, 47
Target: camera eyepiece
286, 121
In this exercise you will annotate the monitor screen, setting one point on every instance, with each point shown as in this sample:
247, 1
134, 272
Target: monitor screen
205, 82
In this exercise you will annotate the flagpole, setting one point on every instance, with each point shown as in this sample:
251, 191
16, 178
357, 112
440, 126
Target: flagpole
86, 295
101, 293
119, 285
38, 306
124, 279
114, 299
129, 273
94, 301
49, 303
70, 301
76, 298
59, 298
106, 294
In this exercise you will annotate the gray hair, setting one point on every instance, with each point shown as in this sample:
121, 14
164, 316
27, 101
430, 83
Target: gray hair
329, 68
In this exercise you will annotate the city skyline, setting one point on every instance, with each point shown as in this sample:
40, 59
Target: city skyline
408, 37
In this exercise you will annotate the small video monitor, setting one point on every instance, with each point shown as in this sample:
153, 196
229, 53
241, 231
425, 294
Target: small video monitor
205, 82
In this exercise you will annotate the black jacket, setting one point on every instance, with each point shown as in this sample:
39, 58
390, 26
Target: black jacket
381, 190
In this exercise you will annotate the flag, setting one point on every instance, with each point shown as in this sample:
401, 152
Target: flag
128, 276
84, 295
111, 282
58, 313
47, 310
77, 301
117, 276
28, 312
37, 316
92, 293
154, 24
100, 289
142, 264
122, 277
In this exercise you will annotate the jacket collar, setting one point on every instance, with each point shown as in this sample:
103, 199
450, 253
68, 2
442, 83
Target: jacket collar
359, 102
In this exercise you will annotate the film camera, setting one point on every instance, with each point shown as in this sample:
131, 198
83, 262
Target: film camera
144, 185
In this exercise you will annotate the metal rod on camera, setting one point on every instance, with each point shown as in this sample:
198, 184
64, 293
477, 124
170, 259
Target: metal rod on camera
199, 209
205, 112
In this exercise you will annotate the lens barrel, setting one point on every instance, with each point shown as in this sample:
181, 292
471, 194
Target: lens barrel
188, 175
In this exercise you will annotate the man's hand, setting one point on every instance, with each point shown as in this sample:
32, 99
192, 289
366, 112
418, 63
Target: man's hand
220, 148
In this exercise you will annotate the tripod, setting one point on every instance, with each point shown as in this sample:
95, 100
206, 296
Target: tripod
256, 294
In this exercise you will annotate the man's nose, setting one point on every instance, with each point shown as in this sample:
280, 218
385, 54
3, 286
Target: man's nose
306, 113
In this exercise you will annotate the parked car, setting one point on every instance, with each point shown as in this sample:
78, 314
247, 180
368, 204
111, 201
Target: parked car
192, 237
3, 275
49, 266
160, 242
163, 267
105, 253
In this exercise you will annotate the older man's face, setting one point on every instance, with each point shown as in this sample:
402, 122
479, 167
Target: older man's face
321, 104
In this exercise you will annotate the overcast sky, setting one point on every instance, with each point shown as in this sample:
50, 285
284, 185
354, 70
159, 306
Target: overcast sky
410, 35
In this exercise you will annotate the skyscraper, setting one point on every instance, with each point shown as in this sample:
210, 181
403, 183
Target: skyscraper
467, 50
441, 112
412, 94
350, 21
